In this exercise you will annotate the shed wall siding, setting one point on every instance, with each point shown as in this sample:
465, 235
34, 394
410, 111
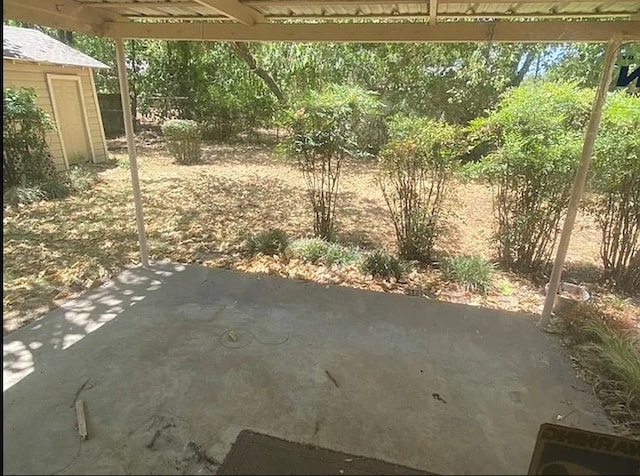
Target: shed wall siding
31, 75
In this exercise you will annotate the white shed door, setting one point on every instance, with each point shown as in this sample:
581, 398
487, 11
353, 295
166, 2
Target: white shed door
70, 120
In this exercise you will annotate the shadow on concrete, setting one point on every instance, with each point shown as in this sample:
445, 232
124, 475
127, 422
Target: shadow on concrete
75, 320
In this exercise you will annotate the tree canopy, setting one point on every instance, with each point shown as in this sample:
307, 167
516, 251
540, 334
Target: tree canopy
233, 86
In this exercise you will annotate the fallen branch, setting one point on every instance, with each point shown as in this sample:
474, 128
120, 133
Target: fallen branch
81, 420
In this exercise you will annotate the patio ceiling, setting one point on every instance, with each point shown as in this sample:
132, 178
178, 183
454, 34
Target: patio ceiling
338, 20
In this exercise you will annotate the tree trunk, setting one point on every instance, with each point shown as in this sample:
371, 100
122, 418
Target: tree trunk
242, 50
65, 36
524, 69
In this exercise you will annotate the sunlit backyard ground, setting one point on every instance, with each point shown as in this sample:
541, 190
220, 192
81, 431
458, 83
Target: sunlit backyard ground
203, 214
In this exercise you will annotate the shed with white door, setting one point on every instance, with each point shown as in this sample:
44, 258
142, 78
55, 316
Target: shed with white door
62, 78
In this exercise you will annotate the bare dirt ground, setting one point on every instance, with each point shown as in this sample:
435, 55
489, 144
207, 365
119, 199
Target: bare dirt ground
203, 213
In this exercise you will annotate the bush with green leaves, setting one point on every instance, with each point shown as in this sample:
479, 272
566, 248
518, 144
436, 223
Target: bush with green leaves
26, 160
472, 272
615, 185
122, 162
415, 168
183, 138
324, 131
19, 195
317, 250
52, 189
81, 178
537, 131
56, 188
381, 264
619, 351
372, 134
311, 250
270, 242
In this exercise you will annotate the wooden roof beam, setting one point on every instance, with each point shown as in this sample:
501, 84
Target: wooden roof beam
433, 12
451, 32
329, 3
234, 10
414, 16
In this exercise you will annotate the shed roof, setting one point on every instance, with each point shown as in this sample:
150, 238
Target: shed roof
33, 45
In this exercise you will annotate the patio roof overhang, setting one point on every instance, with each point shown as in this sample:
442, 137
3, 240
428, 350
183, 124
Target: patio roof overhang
339, 20
614, 22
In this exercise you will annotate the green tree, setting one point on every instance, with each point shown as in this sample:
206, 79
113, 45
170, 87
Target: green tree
582, 62
454, 81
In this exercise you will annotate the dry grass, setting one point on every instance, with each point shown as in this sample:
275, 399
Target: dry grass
203, 213
607, 354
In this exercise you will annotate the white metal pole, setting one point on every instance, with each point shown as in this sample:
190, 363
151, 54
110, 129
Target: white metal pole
580, 180
131, 147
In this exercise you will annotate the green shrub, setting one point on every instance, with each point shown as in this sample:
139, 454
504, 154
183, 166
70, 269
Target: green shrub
311, 250
381, 264
270, 242
55, 189
415, 168
342, 255
472, 272
122, 162
78, 179
618, 351
183, 138
323, 133
18, 195
537, 132
615, 182
372, 133
26, 160
317, 250
81, 178
610, 355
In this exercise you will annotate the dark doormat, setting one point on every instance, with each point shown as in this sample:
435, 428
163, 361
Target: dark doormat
565, 450
254, 453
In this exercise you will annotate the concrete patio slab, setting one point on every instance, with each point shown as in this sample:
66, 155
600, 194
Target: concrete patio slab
173, 362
